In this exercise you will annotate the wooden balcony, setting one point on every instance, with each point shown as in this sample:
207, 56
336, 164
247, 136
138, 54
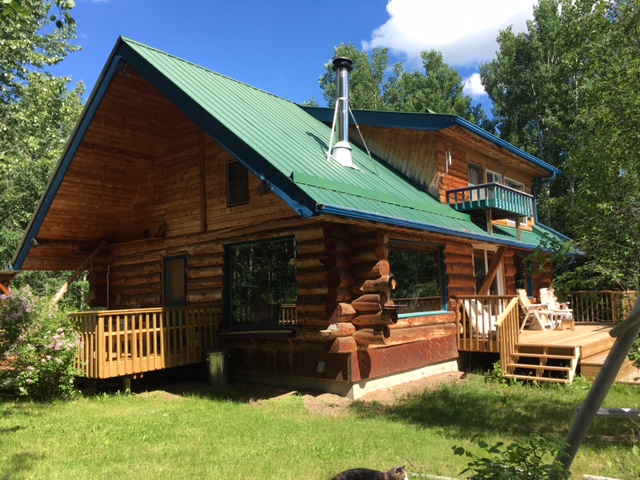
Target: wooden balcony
121, 343
502, 200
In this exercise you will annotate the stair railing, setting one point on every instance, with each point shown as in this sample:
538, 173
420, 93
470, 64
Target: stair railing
508, 334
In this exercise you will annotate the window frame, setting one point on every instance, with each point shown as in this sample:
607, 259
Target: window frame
166, 279
511, 183
499, 176
228, 283
478, 168
237, 187
439, 250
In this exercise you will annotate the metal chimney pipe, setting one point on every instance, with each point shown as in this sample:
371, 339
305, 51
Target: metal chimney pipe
341, 151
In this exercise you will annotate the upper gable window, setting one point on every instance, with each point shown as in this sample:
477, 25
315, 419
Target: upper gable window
493, 177
513, 184
475, 174
237, 184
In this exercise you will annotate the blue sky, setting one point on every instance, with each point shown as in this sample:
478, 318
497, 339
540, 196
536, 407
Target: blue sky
281, 46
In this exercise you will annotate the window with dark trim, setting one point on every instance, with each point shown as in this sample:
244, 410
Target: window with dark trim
262, 282
174, 281
475, 174
523, 278
237, 184
418, 271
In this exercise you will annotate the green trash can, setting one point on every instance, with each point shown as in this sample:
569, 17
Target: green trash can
218, 369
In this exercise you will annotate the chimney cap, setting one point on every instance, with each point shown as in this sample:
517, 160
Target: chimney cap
342, 62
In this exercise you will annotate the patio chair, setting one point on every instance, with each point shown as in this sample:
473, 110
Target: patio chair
559, 313
536, 315
483, 324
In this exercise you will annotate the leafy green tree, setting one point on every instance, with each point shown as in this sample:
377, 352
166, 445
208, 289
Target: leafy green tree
18, 11
37, 112
439, 88
366, 78
606, 158
566, 91
534, 84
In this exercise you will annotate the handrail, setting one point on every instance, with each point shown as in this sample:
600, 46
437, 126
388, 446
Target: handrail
479, 322
508, 334
599, 306
491, 195
128, 342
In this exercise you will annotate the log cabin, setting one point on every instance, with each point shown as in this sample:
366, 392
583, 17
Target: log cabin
317, 247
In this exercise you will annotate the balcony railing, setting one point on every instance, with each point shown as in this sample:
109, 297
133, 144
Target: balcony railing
129, 342
600, 306
500, 198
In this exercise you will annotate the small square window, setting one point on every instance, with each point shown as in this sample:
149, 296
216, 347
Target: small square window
237, 184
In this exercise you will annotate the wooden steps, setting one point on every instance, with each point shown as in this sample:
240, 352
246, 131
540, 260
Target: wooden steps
558, 356
543, 363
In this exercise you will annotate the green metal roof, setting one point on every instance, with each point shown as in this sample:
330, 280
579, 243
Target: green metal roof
281, 143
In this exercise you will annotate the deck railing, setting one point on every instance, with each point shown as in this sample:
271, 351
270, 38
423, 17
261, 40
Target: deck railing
491, 195
128, 342
478, 321
508, 334
600, 306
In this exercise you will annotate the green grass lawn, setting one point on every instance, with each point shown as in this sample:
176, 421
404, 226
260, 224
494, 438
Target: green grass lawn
213, 434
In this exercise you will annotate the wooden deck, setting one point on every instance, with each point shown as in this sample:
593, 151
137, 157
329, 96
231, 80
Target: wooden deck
558, 355
120, 343
590, 339
493, 326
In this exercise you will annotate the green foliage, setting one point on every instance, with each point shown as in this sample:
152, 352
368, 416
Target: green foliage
495, 374
16, 12
634, 354
37, 111
530, 459
366, 78
566, 91
439, 88
39, 344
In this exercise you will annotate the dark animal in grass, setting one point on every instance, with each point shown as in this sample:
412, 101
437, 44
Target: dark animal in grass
398, 473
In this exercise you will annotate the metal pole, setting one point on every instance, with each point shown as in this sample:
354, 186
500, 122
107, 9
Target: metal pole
626, 332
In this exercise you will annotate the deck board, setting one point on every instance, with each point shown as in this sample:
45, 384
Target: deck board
582, 336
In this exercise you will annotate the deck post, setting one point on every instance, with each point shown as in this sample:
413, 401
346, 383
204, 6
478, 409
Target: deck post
627, 332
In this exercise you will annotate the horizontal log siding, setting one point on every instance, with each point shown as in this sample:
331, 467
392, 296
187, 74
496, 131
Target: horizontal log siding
412, 152
459, 273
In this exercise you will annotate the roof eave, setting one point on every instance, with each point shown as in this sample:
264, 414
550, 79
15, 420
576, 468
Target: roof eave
70, 150
398, 222
281, 185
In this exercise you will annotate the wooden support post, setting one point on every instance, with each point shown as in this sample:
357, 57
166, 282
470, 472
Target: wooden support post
203, 182
493, 270
77, 273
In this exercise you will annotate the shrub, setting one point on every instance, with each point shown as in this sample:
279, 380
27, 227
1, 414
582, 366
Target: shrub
38, 347
533, 459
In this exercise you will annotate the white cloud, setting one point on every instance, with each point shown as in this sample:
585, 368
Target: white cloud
464, 31
473, 86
